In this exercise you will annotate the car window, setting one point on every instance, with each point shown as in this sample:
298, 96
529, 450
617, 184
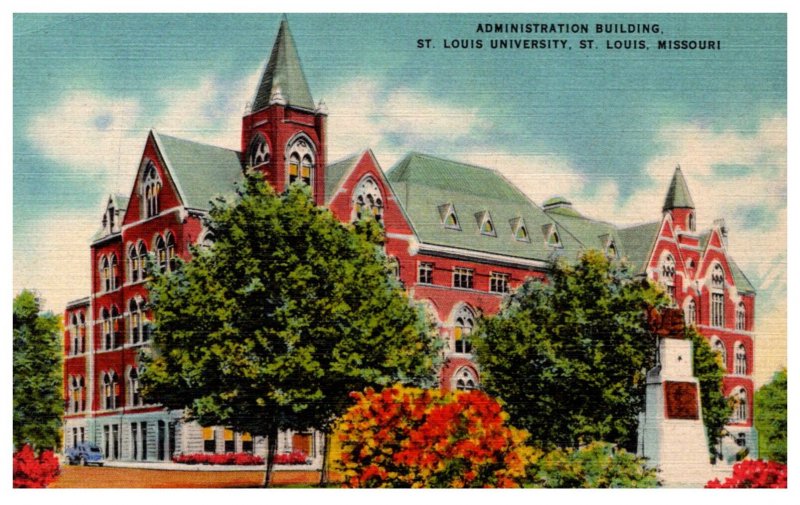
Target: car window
94, 449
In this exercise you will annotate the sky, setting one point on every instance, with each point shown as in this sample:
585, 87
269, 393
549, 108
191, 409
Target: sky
604, 128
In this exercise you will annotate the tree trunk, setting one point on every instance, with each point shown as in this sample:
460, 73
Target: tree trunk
324, 478
272, 448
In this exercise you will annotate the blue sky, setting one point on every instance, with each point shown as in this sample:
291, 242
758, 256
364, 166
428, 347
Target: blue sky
604, 128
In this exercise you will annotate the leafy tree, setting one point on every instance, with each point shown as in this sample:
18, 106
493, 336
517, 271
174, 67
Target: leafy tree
770, 418
38, 400
274, 325
568, 357
709, 372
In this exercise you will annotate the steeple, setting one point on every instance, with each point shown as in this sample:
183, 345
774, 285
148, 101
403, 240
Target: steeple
283, 81
678, 196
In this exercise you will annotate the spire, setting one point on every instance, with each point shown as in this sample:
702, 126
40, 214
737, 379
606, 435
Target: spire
678, 196
283, 78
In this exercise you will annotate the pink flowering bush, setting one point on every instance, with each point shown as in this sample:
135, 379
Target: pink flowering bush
754, 474
30, 471
230, 458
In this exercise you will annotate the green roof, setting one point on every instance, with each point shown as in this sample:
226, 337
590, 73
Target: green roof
424, 184
120, 202
637, 244
200, 171
739, 278
678, 194
336, 172
590, 233
284, 74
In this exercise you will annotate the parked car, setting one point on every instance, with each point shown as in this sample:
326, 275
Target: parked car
85, 453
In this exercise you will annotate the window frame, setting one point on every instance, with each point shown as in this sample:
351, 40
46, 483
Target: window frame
499, 282
463, 278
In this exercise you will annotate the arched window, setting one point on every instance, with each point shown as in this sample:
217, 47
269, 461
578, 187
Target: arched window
110, 390
82, 331
740, 361
553, 239
74, 402
718, 296
367, 200
106, 321
161, 253
668, 275
464, 379
151, 185
258, 152
690, 313
486, 224
134, 398
301, 161
719, 347
133, 264
171, 261
741, 317
114, 284
522, 234
116, 335
739, 406
81, 394
105, 274
134, 322
74, 335
690, 221
464, 323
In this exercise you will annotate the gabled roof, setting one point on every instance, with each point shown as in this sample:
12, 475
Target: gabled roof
592, 234
200, 171
283, 73
336, 172
678, 194
423, 184
739, 278
637, 244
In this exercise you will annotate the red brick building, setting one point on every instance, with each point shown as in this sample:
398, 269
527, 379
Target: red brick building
460, 237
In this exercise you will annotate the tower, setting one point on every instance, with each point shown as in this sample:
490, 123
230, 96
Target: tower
679, 203
283, 134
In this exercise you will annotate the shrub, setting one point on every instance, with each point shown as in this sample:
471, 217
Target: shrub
230, 458
30, 471
292, 458
754, 473
409, 437
598, 465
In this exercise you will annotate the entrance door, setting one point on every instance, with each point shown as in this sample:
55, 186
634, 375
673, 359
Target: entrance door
303, 442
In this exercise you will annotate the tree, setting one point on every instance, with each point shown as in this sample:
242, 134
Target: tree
568, 357
708, 369
770, 418
38, 400
273, 325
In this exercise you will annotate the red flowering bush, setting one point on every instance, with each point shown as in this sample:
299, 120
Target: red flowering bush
408, 437
230, 458
30, 471
292, 458
754, 473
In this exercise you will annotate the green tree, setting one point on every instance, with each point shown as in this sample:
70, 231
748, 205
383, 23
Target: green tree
770, 418
568, 357
709, 372
281, 318
38, 400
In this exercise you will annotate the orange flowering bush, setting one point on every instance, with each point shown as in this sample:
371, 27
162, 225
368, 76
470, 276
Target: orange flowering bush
410, 437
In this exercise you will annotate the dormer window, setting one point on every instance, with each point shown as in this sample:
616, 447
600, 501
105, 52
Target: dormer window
551, 235
449, 217
485, 223
301, 161
152, 188
519, 230
611, 250
259, 152
367, 200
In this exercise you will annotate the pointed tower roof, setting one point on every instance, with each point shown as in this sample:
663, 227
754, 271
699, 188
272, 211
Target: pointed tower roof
678, 196
283, 80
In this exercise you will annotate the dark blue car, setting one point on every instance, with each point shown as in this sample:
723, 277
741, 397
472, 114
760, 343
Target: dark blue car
85, 453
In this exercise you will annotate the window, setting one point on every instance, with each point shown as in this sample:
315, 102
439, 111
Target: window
741, 321
465, 380
110, 384
259, 152
105, 274
134, 322
449, 217
668, 275
486, 224
462, 278
161, 254
553, 240
74, 335
133, 264
611, 250
116, 335
247, 442
519, 230
739, 399
498, 283
740, 362
114, 272
301, 161
464, 322
106, 322
171, 259
134, 441
741, 439
82, 332
367, 200
690, 313
719, 347
209, 440
77, 396
717, 296
394, 267
229, 442
425, 273
690, 221
152, 187
135, 398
